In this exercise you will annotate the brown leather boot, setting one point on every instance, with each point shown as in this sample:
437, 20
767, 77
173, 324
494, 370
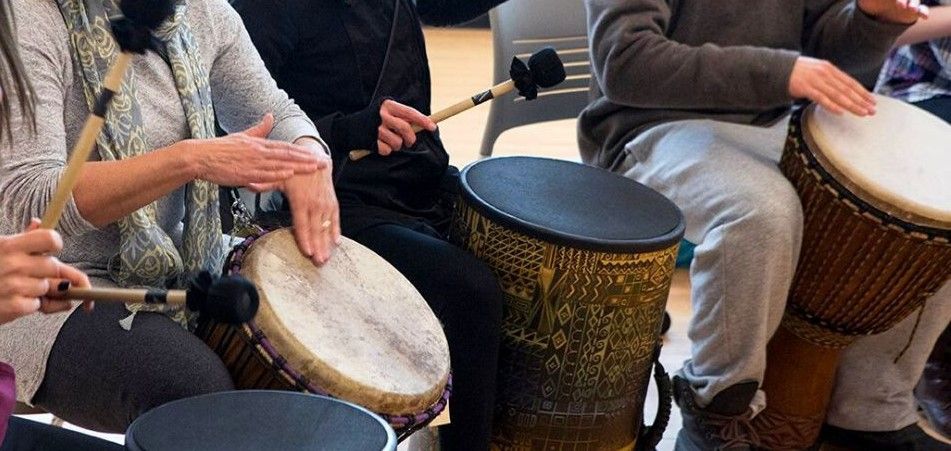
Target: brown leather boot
934, 389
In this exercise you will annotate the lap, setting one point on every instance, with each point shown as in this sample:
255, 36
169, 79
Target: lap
715, 172
102, 377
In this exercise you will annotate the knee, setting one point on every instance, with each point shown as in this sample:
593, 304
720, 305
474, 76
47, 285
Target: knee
770, 213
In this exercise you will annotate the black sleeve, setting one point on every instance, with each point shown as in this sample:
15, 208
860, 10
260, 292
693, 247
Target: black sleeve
452, 12
272, 25
346, 132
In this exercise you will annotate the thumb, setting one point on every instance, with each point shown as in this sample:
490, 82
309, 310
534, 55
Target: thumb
263, 128
34, 225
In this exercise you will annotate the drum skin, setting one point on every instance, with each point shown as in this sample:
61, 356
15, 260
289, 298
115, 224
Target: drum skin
581, 325
861, 271
354, 329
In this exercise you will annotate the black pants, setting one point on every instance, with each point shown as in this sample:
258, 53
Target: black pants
939, 106
26, 435
102, 377
465, 296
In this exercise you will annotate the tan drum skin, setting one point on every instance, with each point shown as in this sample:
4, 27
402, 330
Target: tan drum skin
355, 327
913, 184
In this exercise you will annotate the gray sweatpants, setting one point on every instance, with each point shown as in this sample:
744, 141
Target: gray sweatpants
746, 220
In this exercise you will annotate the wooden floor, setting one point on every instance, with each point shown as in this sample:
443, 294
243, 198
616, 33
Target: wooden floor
461, 63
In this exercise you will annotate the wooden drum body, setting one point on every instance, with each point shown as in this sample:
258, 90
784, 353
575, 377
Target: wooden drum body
354, 329
876, 195
585, 259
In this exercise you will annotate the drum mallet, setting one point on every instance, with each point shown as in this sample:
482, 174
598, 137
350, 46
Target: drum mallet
229, 299
133, 34
544, 70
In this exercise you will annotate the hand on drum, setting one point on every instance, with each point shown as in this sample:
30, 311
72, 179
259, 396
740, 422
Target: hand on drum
249, 158
396, 129
27, 273
316, 214
896, 11
823, 83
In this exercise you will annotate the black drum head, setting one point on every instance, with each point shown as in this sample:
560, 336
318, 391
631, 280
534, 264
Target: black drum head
259, 420
572, 204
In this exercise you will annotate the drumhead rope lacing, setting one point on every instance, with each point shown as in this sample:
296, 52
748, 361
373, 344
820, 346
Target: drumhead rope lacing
835, 326
404, 424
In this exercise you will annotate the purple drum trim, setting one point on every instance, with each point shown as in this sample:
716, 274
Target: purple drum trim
404, 424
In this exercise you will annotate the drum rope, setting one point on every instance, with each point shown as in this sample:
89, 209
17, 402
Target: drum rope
911, 336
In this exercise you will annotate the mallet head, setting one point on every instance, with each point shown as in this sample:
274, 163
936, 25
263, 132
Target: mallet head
544, 70
133, 31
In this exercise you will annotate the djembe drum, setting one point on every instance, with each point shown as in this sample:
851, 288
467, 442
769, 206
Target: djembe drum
354, 329
876, 195
257, 420
585, 260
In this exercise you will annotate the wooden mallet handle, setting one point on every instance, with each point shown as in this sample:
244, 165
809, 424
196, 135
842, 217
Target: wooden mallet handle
86, 142
126, 295
496, 91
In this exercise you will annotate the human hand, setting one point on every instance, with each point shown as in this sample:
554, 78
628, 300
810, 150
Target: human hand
399, 125
28, 273
248, 157
823, 83
895, 11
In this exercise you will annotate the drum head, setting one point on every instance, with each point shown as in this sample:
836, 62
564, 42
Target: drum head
354, 327
898, 161
259, 420
571, 204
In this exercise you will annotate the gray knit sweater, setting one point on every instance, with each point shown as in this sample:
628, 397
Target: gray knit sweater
657, 61
242, 91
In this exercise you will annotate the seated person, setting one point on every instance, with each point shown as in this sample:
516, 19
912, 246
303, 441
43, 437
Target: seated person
359, 70
693, 100
919, 71
145, 210
27, 271
26, 274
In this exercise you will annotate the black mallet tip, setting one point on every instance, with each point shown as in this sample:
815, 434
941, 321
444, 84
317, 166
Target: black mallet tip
229, 299
133, 31
547, 68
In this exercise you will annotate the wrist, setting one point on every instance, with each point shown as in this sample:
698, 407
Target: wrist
320, 149
187, 154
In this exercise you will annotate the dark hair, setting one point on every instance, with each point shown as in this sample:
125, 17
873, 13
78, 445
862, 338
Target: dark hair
12, 79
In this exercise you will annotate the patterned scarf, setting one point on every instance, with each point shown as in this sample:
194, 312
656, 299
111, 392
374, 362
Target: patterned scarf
147, 255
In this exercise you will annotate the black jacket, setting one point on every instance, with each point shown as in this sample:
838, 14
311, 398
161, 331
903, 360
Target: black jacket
329, 56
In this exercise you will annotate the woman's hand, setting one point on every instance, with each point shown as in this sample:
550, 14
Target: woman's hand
314, 208
895, 11
27, 274
823, 83
248, 157
398, 127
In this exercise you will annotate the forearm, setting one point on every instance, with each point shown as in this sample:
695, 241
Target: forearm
937, 26
636, 65
851, 39
110, 190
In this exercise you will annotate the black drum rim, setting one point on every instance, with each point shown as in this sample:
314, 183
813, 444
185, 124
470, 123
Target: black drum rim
640, 245
130, 439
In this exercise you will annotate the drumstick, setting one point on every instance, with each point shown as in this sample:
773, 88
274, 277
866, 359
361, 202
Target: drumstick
544, 70
132, 33
231, 299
